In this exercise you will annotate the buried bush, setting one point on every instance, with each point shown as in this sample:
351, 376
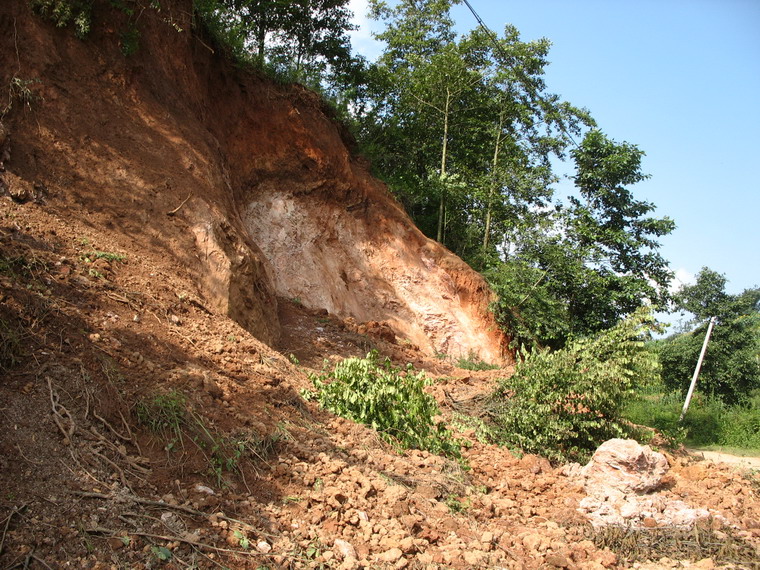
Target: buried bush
390, 400
564, 404
170, 416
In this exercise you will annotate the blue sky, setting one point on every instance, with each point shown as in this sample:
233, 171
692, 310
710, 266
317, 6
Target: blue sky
678, 78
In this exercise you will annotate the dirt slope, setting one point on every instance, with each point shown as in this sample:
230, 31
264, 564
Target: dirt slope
273, 202
150, 414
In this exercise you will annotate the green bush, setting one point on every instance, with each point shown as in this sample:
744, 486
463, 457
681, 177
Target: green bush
564, 404
389, 400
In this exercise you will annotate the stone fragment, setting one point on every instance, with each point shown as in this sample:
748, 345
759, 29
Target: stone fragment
344, 549
391, 556
557, 560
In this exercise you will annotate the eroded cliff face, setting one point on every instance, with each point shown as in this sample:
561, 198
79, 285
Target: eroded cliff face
247, 185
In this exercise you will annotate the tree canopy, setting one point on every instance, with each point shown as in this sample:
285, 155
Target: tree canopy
731, 370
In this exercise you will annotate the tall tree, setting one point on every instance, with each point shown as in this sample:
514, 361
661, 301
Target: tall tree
731, 368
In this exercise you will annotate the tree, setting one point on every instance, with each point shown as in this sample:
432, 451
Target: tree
598, 257
464, 132
731, 369
460, 127
306, 39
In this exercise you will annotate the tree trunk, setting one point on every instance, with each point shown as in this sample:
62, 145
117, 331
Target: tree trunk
494, 182
444, 150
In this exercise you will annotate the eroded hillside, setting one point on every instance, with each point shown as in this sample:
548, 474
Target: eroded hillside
175, 235
273, 203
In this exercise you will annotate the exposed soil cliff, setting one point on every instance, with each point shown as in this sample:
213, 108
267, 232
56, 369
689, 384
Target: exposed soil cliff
273, 202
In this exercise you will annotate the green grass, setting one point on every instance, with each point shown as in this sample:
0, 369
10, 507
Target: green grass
708, 423
472, 362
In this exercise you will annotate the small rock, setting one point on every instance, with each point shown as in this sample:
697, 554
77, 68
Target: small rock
473, 557
391, 556
531, 542
557, 560
344, 549
264, 547
116, 543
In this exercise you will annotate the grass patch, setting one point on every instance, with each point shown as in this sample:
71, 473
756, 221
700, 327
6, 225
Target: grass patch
92, 256
708, 422
472, 362
170, 417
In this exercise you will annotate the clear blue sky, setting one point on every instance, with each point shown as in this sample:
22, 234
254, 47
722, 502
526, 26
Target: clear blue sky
678, 78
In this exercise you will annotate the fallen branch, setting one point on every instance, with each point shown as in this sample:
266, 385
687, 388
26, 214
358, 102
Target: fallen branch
177, 209
175, 538
15, 511
159, 504
58, 417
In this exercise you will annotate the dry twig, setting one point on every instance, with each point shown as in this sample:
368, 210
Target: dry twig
177, 209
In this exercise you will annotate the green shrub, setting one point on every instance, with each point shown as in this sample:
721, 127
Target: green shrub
564, 404
389, 400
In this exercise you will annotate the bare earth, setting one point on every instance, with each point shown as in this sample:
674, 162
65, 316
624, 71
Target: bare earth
727, 458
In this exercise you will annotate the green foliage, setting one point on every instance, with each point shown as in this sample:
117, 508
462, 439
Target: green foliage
473, 362
65, 12
304, 40
389, 400
731, 369
709, 420
564, 404
526, 307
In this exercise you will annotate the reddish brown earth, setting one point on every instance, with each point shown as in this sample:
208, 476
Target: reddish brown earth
246, 232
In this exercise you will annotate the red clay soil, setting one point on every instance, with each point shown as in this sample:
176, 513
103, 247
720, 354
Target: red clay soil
153, 352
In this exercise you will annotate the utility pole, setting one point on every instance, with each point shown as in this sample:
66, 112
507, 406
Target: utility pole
696, 370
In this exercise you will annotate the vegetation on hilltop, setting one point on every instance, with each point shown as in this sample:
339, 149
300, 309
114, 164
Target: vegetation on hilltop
465, 132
